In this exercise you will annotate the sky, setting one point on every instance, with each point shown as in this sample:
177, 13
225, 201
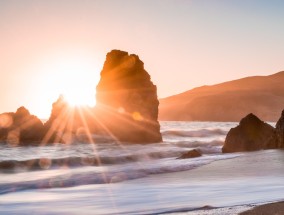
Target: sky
57, 47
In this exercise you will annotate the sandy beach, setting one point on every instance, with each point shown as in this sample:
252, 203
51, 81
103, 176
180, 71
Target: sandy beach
276, 208
254, 197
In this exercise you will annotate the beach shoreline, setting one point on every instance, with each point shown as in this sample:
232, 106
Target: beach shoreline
275, 208
236, 185
235, 169
214, 183
271, 208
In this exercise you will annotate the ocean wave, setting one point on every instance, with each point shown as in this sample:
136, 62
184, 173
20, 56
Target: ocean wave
115, 174
193, 144
109, 155
71, 162
195, 133
210, 147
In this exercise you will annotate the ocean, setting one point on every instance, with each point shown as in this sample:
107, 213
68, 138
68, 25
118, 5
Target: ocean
118, 178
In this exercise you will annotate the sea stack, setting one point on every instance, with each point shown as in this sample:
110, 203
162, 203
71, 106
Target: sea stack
127, 103
280, 131
250, 135
20, 128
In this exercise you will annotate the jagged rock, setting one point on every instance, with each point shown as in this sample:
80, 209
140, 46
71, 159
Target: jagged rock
190, 154
20, 128
280, 131
250, 135
127, 110
6, 121
58, 112
57, 120
127, 104
68, 124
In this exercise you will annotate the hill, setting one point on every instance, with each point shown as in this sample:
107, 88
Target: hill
228, 101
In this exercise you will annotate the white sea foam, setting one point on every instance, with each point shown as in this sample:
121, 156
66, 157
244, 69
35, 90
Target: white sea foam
75, 183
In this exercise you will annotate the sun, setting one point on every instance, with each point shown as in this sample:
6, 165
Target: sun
72, 74
77, 99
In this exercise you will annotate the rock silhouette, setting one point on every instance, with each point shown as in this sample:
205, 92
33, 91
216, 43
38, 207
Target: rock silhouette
20, 128
127, 110
190, 154
55, 127
127, 103
127, 107
250, 135
280, 131
68, 124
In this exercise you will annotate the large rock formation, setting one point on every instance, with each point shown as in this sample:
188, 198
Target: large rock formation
250, 135
127, 104
280, 131
127, 110
20, 128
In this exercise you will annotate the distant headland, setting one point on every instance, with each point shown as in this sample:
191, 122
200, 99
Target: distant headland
228, 101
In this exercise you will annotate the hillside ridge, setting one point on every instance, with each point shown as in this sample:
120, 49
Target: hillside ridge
227, 101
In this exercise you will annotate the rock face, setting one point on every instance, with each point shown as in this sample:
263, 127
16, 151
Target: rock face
280, 131
127, 110
67, 124
20, 128
250, 135
127, 103
56, 125
191, 154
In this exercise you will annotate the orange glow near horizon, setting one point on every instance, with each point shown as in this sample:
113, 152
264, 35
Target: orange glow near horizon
73, 75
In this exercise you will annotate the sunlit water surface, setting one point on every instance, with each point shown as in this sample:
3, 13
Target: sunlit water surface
109, 178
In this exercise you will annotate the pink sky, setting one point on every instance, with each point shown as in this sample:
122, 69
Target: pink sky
53, 47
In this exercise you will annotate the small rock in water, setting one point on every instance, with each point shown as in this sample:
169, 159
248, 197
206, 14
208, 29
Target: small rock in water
190, 154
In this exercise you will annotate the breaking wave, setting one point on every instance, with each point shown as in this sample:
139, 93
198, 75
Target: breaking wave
195, 133
116, 173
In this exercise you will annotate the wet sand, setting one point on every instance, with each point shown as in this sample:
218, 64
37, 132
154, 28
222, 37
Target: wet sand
252, 181
224, 187
276, 208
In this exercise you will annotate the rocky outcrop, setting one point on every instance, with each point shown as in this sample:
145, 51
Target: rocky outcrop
190, 154
57, 124
250, 135
127, 103
20, 128
68, 124
127, 110
280, 131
